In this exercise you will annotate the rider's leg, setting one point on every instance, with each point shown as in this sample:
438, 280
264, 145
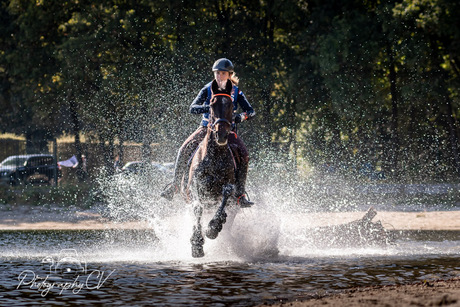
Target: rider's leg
242, 156
183, 156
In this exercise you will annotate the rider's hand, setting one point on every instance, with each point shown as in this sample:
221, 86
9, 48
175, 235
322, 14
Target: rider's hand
241, 117
205, 109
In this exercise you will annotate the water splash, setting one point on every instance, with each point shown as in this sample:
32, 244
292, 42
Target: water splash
281, 225
276, 227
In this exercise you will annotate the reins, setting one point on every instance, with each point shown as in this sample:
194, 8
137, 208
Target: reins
222, 94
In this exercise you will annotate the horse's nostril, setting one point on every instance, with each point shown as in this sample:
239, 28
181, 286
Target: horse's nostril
221, 141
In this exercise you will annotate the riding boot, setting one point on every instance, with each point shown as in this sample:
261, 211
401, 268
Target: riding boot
181, 167
241, 176
169, 191
173, 187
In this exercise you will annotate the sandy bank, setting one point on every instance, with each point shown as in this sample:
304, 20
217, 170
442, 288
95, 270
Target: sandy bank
438, 293
34, 217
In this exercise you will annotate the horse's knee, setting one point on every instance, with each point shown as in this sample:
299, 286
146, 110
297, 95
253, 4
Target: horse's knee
198, 210
228, 190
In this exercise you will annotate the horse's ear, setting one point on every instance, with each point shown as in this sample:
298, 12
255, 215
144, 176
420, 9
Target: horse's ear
229, 86
214, 87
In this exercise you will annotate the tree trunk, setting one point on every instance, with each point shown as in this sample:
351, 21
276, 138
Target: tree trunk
121, 151
394, 153
76, 132
266, 114
453, 137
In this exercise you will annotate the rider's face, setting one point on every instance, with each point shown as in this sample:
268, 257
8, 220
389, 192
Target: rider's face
221, 76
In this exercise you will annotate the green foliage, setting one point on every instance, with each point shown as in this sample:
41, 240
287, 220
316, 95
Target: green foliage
318, 73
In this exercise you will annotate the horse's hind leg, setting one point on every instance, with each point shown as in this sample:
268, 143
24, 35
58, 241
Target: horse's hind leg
197, 239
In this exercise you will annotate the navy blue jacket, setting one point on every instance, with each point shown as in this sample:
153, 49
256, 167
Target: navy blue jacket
203, 100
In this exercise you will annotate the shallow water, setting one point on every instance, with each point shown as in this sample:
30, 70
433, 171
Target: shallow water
136, 268
270, 254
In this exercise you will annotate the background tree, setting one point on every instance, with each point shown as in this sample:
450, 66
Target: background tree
349, 84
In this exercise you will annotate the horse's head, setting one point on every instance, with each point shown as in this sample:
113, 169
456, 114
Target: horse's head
221, 112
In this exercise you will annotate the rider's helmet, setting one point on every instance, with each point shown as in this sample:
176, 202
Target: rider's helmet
223, 65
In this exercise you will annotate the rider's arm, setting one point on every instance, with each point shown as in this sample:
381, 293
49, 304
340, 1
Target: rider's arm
248, 113
197, 106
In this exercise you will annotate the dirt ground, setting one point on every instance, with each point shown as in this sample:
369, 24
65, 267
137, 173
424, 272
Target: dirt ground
438, 293
53, 217
25, 217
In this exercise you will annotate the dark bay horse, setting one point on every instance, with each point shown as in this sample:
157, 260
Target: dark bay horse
212, 171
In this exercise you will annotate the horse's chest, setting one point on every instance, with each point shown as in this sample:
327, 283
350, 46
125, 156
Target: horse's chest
219, 167
215, 172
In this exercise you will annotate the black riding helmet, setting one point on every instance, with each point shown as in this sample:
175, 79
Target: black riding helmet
223, 65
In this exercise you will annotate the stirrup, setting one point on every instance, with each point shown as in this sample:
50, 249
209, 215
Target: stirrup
168, 191
243, 202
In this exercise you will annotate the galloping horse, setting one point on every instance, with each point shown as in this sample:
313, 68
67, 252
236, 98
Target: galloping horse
212, 170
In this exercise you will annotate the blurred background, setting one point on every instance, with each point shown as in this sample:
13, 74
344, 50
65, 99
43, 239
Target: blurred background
364, 91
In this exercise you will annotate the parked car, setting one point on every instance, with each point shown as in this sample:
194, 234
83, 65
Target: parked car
37, 168
135, 167
153, 168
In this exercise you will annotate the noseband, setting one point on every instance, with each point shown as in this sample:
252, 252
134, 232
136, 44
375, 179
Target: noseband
220, 120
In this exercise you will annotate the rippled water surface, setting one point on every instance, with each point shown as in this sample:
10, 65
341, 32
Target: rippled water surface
136, 267
269, 254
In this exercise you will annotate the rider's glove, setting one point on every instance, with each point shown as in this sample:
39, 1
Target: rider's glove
241, 117
205, 109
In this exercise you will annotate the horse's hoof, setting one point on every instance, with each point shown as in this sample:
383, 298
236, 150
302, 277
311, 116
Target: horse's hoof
197, 240
197, 251
215, 226
212, 233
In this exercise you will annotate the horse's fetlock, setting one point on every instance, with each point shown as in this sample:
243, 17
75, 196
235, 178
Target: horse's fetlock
197, 239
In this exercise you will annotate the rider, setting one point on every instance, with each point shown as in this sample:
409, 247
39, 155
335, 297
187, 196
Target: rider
223, 71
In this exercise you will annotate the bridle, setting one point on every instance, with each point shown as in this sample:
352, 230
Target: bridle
220, 120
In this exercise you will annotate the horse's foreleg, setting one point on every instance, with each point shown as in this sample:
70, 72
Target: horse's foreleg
197, 239
219, 219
